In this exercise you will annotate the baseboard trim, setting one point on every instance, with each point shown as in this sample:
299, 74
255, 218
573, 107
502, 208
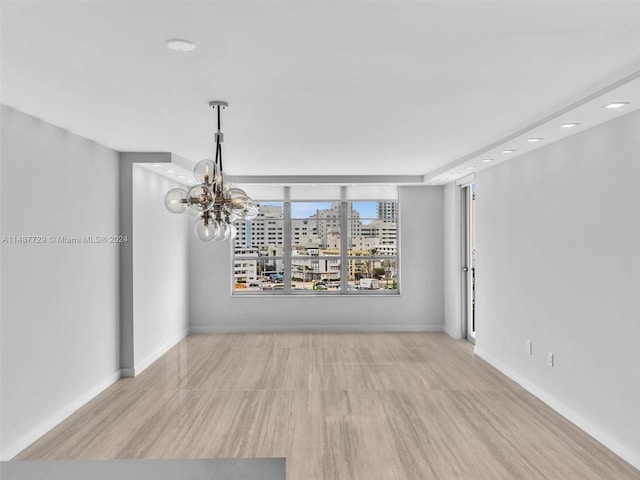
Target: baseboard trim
453, 333
57, 417
128, 372
236, 328
556, 404
141, 366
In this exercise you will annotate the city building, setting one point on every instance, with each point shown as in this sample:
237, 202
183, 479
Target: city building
387, 211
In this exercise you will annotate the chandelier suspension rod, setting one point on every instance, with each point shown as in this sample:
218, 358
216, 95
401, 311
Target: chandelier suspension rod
218, 140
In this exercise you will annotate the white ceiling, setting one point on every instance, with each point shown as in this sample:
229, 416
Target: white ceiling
315, 88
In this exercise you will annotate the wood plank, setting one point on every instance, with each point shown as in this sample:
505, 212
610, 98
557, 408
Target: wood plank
337, 406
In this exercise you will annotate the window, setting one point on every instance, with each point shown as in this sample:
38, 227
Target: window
318, 247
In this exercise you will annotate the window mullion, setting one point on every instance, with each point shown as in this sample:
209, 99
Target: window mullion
287, 241
344, 245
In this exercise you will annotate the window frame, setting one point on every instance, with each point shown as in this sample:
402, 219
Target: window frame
344, 258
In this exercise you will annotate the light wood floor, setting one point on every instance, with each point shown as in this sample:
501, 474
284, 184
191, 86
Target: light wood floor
406, 406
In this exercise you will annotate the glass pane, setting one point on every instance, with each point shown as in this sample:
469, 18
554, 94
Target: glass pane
373, 237
254, 274
314, 237
315, 228
372, 229
321, 274
374, 210
265, 233
315, 209
373, 273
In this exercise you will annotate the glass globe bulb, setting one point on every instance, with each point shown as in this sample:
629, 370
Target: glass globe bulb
225, 231
204, 171
175, 200
227, 184
193, 212
252, 212
236, 201
200, 198
231, 215
205, 231
233, 231
235, 192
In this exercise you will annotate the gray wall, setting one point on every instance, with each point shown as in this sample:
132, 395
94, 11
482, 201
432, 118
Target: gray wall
59, 301
453, 260
160, 269
558, 263
420, 305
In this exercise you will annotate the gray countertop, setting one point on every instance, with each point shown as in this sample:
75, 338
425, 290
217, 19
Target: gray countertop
191, 469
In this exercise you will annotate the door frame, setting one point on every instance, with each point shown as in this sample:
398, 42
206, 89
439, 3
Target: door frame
467, 270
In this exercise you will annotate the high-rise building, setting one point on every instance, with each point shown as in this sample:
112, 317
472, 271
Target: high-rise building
387, 211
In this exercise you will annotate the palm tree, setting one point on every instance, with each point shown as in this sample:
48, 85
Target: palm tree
369, 263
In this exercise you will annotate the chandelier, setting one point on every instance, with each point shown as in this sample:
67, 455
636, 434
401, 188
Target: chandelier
216, 202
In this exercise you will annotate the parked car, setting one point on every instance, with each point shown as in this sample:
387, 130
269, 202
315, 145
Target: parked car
369, 284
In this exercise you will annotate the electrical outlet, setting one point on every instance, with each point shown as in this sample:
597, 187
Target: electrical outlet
529, 347
245, 310
550, 359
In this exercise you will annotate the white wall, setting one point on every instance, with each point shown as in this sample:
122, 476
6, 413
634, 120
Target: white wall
59, 319
420, 305
452, 260
558, 264
160, 269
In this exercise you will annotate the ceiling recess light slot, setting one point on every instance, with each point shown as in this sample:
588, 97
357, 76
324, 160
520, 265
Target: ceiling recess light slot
508, 151
157, 165
170, 171
615, 104
534, 140
180, 45
569, 125
469, 168
487, 160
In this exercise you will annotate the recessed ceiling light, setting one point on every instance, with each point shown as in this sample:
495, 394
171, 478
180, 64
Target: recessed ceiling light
534, 140
615, 104
569, 125
508, 151
158, 165
170, 171
487, 160
189, 181
180, 45
470, 168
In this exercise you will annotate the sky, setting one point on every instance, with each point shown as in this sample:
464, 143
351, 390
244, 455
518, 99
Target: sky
306, 209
